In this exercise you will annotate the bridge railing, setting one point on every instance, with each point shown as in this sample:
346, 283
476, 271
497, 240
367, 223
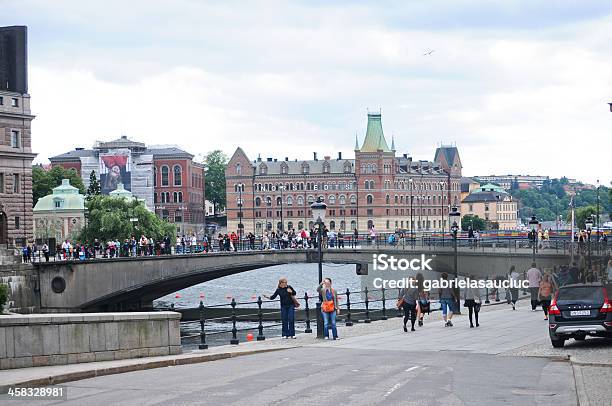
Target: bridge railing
362, 306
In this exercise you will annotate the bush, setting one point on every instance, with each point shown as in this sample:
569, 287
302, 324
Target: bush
4, 290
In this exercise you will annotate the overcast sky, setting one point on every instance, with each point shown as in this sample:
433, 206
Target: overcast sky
521, 87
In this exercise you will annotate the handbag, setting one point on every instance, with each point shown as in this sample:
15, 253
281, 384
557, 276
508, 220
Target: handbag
295, 301
327, 306
399, 303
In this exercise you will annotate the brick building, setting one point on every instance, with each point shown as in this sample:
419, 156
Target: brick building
165, 178
375, 189
15, 138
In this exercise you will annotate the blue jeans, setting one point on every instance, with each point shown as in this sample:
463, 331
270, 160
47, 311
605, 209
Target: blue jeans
329, 318
447, 305
288, 320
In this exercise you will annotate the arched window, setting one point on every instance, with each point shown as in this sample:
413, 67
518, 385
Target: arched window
258, 228
290, 225
342, 225
289, 201
353, 224
165, 175
396, 201
154, 176
279, 201
347, 167
180, 197
310, 199
370, 224
300, 225
178, 181
154, 197
370, 199
263, 169
387, 199
257, 201
284, 168
342, 200
326, 167
268, 201
371, 184
332, 199
300, 200
175, 197
366, 185
305, 168
310, 225
353, 199
332, 225
238, 169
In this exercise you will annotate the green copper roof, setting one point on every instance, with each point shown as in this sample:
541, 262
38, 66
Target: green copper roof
121, 191
375, 139
64, 198
489, 187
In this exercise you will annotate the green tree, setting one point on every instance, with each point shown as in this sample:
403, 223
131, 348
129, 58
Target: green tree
581, 215
94, 188
43, 181
4, 291
216, 162
111, 218
476, 222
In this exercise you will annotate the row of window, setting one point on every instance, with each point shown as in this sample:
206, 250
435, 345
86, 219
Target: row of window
14, 101
272, 187
165, 175
16, 183
341, 200
164, 197
300, 225
305, 169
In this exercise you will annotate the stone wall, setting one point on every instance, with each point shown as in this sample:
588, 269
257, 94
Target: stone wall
22, 280
57, 339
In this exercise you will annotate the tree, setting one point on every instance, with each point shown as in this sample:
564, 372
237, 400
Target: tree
4, 294
43, 181
216, 162
111, 217
581, 215
94, 188
476, 222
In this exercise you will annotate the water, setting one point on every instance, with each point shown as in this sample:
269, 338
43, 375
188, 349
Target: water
246, 287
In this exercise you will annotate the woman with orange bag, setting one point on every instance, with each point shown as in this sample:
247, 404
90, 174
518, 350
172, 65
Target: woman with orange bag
329, 308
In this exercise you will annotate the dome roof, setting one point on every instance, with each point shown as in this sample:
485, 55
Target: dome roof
65, 197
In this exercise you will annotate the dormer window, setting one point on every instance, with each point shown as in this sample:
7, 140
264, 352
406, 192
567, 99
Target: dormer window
326, 167
263, 169
305, 168
347, 167
284, 168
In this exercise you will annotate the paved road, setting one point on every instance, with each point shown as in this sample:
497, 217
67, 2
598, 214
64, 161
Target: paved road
435, 365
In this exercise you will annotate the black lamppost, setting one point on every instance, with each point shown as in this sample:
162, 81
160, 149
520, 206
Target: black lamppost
442, 210
534, 224
455, 230
281, 188
240, 225
318, 214
411, 221
598, 224
588, 223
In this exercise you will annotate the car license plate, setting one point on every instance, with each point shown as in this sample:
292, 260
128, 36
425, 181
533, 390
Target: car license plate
580, 313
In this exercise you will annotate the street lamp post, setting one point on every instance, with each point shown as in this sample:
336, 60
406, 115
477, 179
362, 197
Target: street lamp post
598, 225
318, 209
455, 230
589, 227
442, 210
281, 188
411, 220
240, 225
534, 223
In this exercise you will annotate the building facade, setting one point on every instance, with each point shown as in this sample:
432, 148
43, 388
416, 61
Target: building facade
515, 181
165, 178
16, 154
494, 205
60, 215
377, 189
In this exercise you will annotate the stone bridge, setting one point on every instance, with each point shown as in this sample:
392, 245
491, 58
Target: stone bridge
133, 283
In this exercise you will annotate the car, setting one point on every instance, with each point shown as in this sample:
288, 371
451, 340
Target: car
580, 310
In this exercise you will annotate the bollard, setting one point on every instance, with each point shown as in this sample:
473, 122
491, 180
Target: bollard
203, 345
348, 323
384, 309
308, 329
367, 304
260, 336
487, 301
234, 339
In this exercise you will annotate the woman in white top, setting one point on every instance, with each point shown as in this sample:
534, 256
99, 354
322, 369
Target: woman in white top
472, 301
513, 277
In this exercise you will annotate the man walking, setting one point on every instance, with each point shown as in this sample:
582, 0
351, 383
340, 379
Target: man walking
535, 277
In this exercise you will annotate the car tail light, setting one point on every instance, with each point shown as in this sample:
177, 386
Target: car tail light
553, 310
607, 306
552, 325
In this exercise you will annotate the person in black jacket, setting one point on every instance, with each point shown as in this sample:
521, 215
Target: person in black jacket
287, 297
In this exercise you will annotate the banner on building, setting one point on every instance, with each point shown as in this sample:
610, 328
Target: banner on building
115, 168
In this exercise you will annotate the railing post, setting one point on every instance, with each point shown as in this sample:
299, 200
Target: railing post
367, 304
260, 336
487, 301
307, 309
348, 308
203, 345
234, 339
384, 309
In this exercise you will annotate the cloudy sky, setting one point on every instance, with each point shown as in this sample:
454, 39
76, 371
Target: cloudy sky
519, 86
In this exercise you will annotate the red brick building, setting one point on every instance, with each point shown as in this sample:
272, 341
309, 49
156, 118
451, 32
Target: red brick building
166, 178
373, 190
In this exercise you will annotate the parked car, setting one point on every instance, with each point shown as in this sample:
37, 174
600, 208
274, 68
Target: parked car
580, 310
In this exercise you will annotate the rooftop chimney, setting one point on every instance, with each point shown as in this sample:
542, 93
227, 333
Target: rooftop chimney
327, 157
286, 159
405, 155
339, 156
79, 149
315, 156
269, 159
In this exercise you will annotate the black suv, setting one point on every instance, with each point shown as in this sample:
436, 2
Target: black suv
579, 310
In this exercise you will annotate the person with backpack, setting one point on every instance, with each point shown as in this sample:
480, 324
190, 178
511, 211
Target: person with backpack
288, 303
329, 308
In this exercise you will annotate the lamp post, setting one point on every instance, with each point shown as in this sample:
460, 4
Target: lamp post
442, 210
240, 225
571, 205
318, 209
534, 223
455, 229
588, 223
411, 221
281, 188
598, 225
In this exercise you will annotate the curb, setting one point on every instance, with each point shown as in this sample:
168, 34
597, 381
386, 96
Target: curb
581, 395
95, 372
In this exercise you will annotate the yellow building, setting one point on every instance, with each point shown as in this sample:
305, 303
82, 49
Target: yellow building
493, 204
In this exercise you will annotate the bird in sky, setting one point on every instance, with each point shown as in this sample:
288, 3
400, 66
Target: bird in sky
429, 52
